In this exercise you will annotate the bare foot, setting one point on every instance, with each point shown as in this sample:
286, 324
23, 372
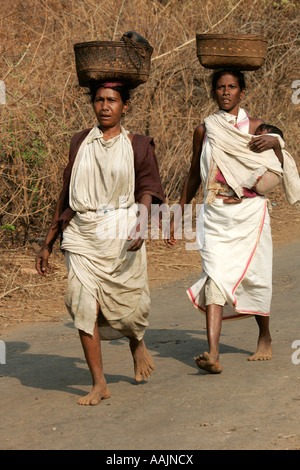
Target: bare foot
143, 363
264, 350
97, 394
206, 362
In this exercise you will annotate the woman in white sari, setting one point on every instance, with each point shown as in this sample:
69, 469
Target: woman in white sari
234, 234
109, 185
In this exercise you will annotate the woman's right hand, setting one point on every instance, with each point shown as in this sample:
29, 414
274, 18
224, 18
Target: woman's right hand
41, 261
264, 142
170, 240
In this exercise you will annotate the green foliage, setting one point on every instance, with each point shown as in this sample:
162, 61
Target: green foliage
281, 4
33, 153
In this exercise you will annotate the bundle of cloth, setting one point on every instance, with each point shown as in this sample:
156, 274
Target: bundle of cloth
243, 168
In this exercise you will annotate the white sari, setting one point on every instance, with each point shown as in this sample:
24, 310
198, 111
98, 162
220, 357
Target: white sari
100, 267
236, 247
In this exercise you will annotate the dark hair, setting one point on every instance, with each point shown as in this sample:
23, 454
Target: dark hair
236, 73
270, 128
123, 90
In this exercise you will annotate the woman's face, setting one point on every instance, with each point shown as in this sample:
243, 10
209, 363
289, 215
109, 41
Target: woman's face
228, 93
108, 107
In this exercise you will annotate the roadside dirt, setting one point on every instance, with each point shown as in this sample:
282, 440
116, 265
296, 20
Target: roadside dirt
251, 405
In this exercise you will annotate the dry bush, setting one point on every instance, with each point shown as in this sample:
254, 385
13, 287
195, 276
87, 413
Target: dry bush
45, 105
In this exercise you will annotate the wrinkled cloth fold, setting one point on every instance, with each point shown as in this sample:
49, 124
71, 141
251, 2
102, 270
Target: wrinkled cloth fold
291, 179
240, 166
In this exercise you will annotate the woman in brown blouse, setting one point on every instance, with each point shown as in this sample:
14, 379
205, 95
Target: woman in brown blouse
109, 185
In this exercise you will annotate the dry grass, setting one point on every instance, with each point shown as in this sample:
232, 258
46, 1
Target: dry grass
45, 105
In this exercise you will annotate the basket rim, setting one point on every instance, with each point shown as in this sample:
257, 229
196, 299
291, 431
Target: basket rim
230, 56
79, 45
234, 36
109, 71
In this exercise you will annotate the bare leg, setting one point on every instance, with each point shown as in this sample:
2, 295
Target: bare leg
143, 363
92, 350
264, 344
210, 361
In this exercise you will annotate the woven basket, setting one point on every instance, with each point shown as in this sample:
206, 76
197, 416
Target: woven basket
242, 52
125, 60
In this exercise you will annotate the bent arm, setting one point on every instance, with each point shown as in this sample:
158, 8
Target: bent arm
266, 142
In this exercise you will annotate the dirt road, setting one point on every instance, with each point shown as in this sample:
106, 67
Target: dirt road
249, 406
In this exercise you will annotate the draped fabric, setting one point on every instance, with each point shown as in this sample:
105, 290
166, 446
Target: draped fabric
235, 244
240, 166
101, 194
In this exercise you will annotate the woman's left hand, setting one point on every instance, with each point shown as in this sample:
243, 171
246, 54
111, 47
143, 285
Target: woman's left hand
136, 236
263, 142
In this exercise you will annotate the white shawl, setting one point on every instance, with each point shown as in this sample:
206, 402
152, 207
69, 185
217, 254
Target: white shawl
236, 248
240, 166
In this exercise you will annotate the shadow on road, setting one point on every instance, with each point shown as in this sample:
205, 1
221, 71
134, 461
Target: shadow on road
49, 371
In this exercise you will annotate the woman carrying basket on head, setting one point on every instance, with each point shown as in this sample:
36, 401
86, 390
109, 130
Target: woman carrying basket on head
111, 175
233, 228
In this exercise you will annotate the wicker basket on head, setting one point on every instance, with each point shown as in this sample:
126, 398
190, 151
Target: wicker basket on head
242, 52
126, 60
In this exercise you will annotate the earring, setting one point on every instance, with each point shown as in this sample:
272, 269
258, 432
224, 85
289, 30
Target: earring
123, 114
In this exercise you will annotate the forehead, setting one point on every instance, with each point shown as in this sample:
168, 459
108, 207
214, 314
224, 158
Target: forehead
228, 78
103, 92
